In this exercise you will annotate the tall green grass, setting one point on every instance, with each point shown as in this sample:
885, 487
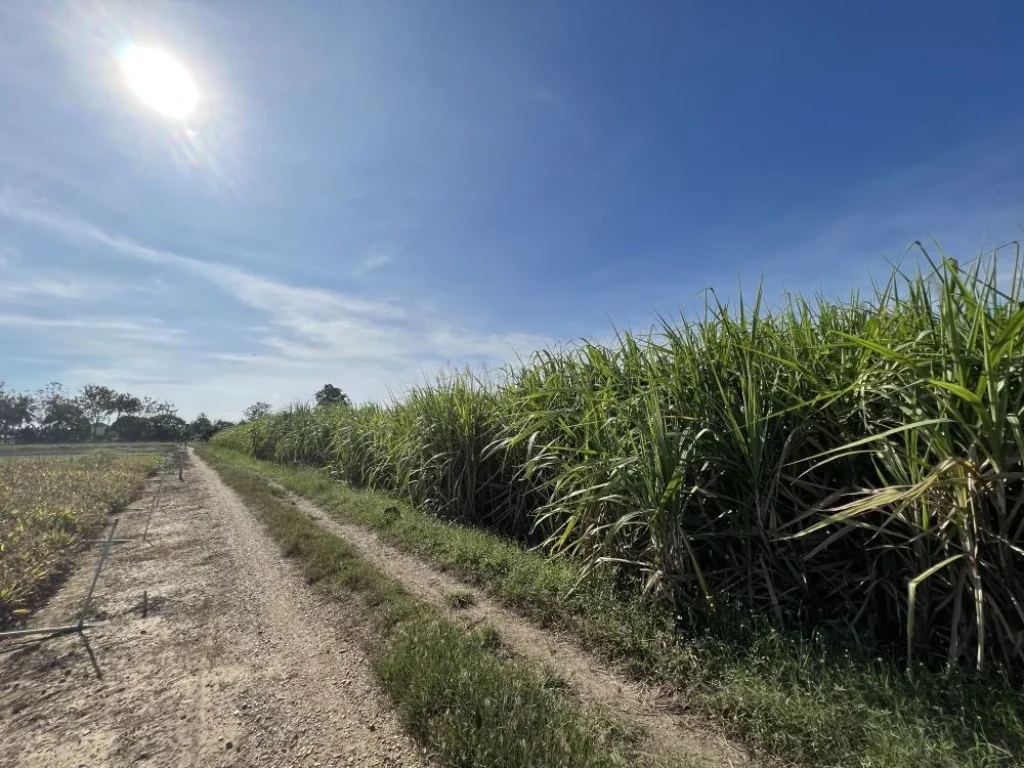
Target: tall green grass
849, 468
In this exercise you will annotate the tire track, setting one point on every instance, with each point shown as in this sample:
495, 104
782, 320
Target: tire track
237, 664
594, 681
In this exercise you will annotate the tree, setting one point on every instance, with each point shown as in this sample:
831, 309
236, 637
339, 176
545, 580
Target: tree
203, 429
15, 412
164, 427
132, 429
257, 410
153, 407
331, 395
61, 416
53, 414
167, 427
127, 404
96, 402
200, 428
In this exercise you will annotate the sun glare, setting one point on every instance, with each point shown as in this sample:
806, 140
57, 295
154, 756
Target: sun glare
159, 80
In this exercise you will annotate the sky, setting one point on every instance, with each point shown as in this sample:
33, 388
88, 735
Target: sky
370, 192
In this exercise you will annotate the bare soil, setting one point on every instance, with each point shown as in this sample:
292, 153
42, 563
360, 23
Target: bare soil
659, 714
236, 662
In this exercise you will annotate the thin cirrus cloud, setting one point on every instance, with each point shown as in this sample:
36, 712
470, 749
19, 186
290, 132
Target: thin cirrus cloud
376, 258
22, 288
305, 334
98, 324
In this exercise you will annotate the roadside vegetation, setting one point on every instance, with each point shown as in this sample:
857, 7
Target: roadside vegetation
46, 506
810, 516
465, 699
804, 701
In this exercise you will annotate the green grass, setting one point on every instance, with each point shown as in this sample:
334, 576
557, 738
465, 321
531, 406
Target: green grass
459, 693
800, 701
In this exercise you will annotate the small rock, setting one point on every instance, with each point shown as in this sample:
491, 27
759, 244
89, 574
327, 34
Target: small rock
229, 745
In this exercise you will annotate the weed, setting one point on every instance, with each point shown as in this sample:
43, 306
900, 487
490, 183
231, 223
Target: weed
460, 599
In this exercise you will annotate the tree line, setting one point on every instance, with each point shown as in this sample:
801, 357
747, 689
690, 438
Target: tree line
327, 395
54, 414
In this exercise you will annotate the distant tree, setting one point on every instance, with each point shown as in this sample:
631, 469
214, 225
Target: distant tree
126, 404
257, 410
97, 402
132, 429
16, 412
53, 414
163, 427
167, 427
153, 407
200, 427
61, 416
203, 429
331, 395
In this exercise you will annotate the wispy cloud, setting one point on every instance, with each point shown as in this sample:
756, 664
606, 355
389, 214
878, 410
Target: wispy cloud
314, 312
26, 289
377, 257
304, 334
98, 324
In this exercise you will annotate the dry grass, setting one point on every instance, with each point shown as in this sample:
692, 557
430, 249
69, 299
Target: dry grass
46, 506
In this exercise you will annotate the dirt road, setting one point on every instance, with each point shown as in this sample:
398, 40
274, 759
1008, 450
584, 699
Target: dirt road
236, 663
597, 684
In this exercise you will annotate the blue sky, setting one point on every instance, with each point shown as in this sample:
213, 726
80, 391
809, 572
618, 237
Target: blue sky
371, 191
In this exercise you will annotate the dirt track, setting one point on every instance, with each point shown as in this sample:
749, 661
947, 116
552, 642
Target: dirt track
237, 663
670, 732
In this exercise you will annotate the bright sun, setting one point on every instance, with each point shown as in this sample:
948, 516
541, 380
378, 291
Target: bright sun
159, 80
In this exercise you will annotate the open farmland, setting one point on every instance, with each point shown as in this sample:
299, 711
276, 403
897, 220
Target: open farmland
93, 449
777, 536
47, 505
